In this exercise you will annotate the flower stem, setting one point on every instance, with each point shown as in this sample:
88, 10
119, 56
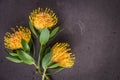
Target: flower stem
40, 71
43, 76
40, 54
39, 61
47, 77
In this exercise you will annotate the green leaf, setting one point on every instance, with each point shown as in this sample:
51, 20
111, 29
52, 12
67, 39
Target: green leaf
25, 57
10, 53
56, 71
46, 60
32, 47
31, 43
47, 50
25, 45
44, 36
13, 54
54, 65
32, 29
14, 59
54, 32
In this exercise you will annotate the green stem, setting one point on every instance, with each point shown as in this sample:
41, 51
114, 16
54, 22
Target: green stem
41, 54
47, 77
33, 49
43, 76
40, 71
39, 61
35, 66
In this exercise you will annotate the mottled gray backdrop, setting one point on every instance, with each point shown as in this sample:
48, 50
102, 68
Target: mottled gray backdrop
92, 27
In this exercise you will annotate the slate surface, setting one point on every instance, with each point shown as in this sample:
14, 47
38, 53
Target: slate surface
92, 27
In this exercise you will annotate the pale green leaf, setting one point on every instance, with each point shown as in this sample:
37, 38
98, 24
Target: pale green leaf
25, 45
25, 57
14, 59
13, 54
54, 32
56, 71
32, 29
46, 59
54, 65
44, 36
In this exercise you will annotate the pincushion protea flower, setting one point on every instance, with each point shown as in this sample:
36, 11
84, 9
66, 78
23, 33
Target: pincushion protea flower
13, 40
41, 19
58, 57
62, 56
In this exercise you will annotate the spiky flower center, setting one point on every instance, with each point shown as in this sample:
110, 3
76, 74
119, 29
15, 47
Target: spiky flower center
13, 40
62, 55
41, 19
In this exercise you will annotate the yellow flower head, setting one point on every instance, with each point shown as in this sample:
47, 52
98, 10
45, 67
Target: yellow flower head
41, 19
62, 56
13, 40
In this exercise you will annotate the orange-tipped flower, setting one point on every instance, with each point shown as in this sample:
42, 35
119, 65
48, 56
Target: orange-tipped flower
62, 56
41, 19
13, 40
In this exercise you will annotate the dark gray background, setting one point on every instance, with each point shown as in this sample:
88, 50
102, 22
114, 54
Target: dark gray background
92, 27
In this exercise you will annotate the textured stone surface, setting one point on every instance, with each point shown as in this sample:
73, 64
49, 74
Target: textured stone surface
92, 27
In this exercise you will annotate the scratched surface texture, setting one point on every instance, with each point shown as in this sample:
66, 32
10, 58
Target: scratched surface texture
92, 27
